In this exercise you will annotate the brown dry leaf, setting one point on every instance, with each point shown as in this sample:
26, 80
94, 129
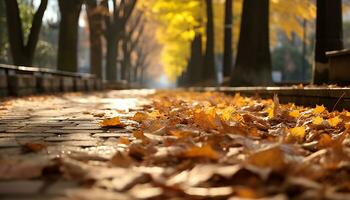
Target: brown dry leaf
141, 136
207, 120
121, 159
124, 140
113, 122
99, 114
246, 192
181, 133
324, 141
271, 157
205, 151
140, 116
34, 146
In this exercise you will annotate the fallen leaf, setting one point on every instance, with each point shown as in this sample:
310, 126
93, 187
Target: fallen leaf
294, 113
334, 121
34, 146
271, 157
317, 120
113, 122
319, 109
124, 140
205, 151
324, 141
298, 132
121, 159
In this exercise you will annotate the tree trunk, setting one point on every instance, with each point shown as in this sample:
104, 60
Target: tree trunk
112, 55
329, 36
209, 60
95, 28
124, 66
3, 30
67, 58
195, 64
253, 64
23, 54
228, 39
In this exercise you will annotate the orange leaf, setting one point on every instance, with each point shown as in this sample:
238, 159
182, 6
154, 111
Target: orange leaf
294, 113
319, 109
325, 141
181, 133
114, 122
268, 158
334, 121
140, 116
298, 132
205, 151
123, 140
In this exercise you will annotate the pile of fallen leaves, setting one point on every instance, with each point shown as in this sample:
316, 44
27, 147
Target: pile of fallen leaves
211, 145
188, 145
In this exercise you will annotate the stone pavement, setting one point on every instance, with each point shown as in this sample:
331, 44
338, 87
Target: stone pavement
61, 125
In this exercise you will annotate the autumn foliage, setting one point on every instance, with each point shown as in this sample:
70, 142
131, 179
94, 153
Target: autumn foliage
212, 145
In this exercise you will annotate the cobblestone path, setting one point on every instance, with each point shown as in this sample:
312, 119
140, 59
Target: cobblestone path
65, 125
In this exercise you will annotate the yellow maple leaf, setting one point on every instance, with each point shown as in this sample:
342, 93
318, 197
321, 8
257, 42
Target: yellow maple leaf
227, 113
319, 109
113, 122
298, 132
317, 120
334, 121
271, 111
294, 113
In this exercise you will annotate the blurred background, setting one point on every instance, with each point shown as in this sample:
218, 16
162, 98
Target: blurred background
166, 43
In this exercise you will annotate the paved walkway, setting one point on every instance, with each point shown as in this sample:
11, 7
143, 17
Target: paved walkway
35, 132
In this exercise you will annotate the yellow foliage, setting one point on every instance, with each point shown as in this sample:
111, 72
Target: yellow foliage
179, 20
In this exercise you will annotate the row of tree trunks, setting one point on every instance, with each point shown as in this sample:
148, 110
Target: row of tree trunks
23, 54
